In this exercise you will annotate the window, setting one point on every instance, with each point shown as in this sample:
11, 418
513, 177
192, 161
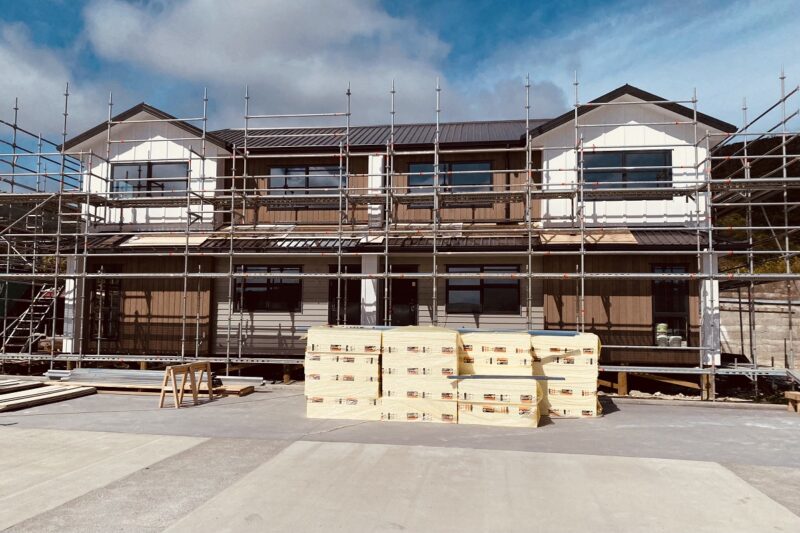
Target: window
671, 301
150, 179
304, 179
607, 170
105, 305
350, 302
465, 177
267, 293
483, 296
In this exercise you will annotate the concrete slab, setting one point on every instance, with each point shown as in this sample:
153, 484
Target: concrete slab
662, 431
156, 496
371, 487
43, 469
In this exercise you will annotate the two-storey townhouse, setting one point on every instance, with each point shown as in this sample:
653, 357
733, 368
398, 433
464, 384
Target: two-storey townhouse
572, 222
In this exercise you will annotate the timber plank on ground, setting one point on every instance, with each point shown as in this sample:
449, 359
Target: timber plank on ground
41, 396
14, 385
146, 388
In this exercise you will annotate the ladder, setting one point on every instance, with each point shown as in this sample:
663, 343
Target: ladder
23, 333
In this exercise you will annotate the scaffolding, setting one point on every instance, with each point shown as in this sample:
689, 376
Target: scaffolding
57, 204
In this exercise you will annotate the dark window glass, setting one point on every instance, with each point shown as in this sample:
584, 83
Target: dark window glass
106, 304
483, 296
350, 302
462, 176
268, 294
303, 179
150, 179
606, 170
671, 301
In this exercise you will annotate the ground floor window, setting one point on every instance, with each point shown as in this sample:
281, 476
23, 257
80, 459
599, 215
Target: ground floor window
106, 304
671, 301
483, 296
271, 294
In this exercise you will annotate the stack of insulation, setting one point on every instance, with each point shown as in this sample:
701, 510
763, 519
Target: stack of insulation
415, 368
342, 371
575, 358
498, 402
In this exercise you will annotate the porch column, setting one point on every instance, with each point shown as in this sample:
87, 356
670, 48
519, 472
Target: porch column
370, 264
709, 302
72, 314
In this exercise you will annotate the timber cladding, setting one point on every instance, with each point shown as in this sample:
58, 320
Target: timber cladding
484, 212
149, 311
300, 214
259, 170
619, 311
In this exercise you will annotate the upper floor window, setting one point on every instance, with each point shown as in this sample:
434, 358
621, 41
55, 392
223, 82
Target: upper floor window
150, 179
306, 180
628, 169
461, 176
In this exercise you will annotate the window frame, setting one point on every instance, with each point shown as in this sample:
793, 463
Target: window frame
481, 288
664, 181
107, 291
447, 174
148, 191
240, 288
306, 188
686, 289
347, 283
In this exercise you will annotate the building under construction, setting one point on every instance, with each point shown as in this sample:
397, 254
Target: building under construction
151, 239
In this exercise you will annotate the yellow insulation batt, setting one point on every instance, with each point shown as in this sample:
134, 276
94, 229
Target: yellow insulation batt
343, 340
574, 358
418, 410
354, 364
508, 391
548, 346
590, 409
345, 408
415, 387
423, 366
421, 340
496, 353
493, 414
346, 385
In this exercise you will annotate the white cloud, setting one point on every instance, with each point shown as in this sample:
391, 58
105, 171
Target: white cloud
296, 56
37, 76
725, 50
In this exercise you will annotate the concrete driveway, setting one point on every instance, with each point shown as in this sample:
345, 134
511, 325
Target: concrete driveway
109, 463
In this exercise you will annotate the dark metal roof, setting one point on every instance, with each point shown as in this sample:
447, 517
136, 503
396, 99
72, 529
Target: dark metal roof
668, 238
487, 132
641, 95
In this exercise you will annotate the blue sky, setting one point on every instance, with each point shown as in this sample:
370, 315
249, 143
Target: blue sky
299, 55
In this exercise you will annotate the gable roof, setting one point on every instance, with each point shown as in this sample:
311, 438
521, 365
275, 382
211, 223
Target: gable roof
143, 107
490, 132
641, 95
